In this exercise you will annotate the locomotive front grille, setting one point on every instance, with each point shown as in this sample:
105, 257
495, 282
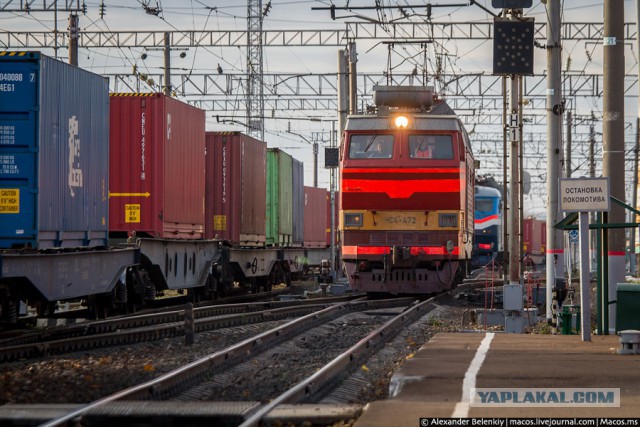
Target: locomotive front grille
407, 239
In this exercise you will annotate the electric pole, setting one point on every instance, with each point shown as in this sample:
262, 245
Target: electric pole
613, 148
513, 57
167, 65
555, 108
255, 89
353, 79
74, 31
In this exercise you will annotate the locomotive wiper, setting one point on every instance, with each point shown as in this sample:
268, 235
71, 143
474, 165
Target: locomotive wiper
370, 142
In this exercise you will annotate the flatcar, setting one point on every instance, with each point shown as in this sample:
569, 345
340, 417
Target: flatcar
54, 160
406, 195
487, 237
114, 198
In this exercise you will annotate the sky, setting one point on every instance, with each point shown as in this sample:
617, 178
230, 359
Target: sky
459, 56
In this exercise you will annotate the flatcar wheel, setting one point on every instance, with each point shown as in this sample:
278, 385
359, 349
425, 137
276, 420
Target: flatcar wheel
267, 284
194, 295
99, 306
211, 288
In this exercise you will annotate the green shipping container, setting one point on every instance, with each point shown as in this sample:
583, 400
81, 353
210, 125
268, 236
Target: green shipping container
279, 198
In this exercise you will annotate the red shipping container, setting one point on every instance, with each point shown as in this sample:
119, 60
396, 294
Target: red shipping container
533, 236
156, 170
536, 237
315, 217
236, 188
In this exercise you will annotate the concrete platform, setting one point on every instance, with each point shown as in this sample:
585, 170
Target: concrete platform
431, 384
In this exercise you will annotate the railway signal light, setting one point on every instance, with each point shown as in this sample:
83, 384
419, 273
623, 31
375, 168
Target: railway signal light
331, 157
513, 46
511, 4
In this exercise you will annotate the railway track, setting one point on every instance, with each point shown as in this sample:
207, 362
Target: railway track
315, 352
151, 326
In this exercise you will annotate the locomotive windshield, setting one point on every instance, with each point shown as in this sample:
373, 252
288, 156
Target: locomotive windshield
431, 147
484, 205
371, 146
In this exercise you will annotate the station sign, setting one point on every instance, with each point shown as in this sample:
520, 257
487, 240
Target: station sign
584, 194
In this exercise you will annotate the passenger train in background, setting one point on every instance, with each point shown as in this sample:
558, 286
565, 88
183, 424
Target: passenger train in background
115, 198
406, 195
487, 237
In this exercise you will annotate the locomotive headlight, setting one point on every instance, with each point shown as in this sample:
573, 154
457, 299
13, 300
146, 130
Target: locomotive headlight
401, 121
353, 219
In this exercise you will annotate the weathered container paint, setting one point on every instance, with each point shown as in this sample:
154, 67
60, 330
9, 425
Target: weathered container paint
235, 191
157, 170
297, 202
279, 198
315, 215
54, 158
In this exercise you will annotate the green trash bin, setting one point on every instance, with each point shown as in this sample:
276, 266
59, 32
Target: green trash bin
628, 306
565, 319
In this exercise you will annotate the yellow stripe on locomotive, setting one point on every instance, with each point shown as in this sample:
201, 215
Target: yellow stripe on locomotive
352, 220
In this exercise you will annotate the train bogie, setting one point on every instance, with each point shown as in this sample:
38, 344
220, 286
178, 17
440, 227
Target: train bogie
54, 160
156, 180
386, 277
178, 264
235, 197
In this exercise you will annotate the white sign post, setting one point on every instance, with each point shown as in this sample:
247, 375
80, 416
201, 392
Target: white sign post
584, 195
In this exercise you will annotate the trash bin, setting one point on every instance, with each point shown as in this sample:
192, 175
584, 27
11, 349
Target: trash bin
569, 319
565, 318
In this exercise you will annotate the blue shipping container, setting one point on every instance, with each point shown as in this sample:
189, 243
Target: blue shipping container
54, 153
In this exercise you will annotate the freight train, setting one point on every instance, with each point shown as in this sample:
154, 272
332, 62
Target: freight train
114, 198
406, 195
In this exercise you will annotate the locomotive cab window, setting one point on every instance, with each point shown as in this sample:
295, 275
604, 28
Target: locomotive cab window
371, 146
484, 206
431, 147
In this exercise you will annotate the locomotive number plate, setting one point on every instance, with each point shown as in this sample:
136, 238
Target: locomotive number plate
401, 219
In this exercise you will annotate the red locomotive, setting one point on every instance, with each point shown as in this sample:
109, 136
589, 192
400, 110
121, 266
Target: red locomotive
406, 194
